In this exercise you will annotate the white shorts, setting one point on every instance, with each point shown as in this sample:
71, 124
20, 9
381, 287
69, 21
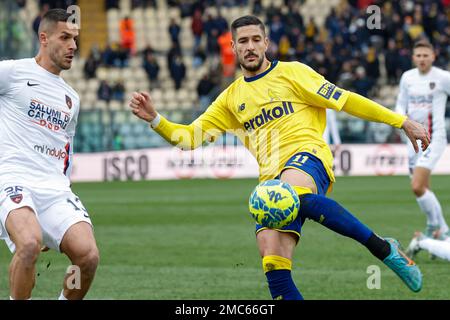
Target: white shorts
55, 210
428, 158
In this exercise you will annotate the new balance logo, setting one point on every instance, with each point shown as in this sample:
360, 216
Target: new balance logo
268, 115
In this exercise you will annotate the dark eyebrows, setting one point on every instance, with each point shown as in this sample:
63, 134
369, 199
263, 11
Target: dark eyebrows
257, 36
70, 35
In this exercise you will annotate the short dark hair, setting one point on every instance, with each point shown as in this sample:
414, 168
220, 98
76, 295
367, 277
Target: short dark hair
52, 17
423, 43
246, 21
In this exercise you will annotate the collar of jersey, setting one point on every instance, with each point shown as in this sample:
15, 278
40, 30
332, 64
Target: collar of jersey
272, 65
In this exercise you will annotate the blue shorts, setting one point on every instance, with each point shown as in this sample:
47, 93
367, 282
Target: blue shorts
312, 166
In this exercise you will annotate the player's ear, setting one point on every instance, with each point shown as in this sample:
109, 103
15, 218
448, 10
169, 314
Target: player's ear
266, 42
43, 38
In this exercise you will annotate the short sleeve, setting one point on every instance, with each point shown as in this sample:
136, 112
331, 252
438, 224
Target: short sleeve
6, 71
315, 90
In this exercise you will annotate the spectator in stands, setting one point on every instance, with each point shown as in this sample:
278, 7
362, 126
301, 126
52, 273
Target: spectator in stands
148, 49
284, 48
345, 79
21, 3
174, 31
276, 29
257, 7
90, 66
115, 56
108, 55
362, 84
177, 71
212, 32
143, 4
204, 89
199, 57
104, 91
118, 91
391, 60
227, 58
38, 18
221, 23
173, 52
151, 67
112, 4
311, 30
372, 64
197, 28
127, 35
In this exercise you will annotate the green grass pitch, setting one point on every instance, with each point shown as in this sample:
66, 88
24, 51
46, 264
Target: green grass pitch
194, 239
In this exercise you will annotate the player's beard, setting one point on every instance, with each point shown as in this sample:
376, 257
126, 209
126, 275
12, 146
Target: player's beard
58, 58
252, 68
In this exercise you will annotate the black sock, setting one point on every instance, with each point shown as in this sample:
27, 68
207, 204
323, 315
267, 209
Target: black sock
379, 247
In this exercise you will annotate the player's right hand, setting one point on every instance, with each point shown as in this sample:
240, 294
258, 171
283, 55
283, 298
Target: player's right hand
142, 106
415, 131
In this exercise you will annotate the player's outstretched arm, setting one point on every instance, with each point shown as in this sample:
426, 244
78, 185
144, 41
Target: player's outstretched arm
367, 109
185, 137
179, 135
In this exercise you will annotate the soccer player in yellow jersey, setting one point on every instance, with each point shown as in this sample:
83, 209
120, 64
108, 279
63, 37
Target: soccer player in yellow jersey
278, 110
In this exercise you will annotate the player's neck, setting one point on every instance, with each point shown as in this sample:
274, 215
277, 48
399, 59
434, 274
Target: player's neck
425, 71
249, 74
47, 64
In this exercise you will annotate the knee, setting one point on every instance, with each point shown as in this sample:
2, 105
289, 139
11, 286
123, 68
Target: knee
418, 188
89, 260
28, 250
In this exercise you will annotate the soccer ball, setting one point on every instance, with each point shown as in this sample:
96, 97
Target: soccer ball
274, 204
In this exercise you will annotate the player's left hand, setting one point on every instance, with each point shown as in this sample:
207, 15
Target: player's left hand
415, 131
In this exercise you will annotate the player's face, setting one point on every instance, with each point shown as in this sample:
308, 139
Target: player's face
250, 46
62, 45
423, 58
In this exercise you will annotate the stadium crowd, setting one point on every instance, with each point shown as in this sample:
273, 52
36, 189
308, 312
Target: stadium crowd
344, 50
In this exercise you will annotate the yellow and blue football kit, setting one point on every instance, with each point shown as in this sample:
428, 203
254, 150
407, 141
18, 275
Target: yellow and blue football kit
280, 116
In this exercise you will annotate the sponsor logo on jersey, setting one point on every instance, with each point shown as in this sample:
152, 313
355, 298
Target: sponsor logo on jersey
47, 116
51, 152
15, 193
432, 85
268, 115
32, 84
241, 107
327, 89
421, 101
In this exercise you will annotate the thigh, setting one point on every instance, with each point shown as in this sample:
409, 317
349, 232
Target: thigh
276, 242
302, 170
306, 170
78, 240
17, 214
65, 211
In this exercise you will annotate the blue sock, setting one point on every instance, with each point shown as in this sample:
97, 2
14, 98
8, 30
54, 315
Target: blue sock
332, 215
282, 286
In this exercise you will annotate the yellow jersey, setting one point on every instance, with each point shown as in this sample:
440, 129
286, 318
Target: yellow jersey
275, 114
